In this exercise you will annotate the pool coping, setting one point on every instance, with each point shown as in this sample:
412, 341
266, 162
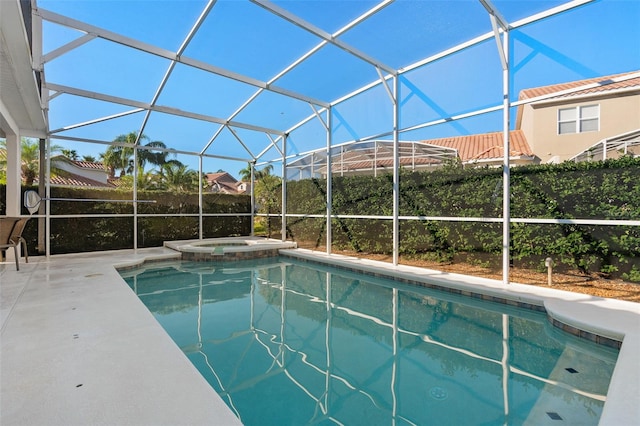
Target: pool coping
240, 248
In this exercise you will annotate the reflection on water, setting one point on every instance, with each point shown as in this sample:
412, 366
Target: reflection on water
288, 343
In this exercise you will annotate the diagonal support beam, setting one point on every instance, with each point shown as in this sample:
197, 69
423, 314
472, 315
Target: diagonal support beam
173, 63
68, 47
167, 54
386, 86
493, 11
497, 20
274, 143
97, 120
315, 111
284, 14
213, 138
496, 35
303, 58
233, 132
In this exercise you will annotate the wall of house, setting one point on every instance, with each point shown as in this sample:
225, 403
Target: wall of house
618, 114
94, 174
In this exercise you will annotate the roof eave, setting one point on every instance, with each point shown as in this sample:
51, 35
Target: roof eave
18, 62
596, 95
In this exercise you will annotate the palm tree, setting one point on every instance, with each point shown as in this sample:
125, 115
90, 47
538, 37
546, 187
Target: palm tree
71, 154
30, 159
119, 157
157, 158
89, 158
178, 178
245, 174
264, 172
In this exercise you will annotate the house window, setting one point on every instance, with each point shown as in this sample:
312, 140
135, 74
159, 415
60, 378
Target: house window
579, 119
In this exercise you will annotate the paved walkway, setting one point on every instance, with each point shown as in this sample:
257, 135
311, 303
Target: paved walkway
79, 348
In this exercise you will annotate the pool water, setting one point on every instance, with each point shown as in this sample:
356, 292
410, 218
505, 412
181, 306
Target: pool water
289, 343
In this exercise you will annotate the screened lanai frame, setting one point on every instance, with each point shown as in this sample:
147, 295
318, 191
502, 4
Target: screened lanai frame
367, 157
322, 111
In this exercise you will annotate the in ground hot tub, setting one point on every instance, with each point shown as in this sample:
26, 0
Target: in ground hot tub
231, 248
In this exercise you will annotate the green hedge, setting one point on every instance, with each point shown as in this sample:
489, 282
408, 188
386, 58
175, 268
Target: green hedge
590, 190
83, 234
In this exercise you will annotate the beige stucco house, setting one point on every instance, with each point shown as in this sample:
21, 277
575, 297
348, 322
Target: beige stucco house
563, 120
592, 119
595, 119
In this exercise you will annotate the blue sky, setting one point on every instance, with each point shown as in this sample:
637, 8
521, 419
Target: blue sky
598, 38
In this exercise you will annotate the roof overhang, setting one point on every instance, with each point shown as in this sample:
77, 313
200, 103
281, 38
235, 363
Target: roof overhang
21, 111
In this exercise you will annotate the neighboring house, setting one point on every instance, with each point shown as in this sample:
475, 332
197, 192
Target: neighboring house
568, 121
224, 183
66, 172
79, 173
244, 187
560, 125
487, 149
583, 120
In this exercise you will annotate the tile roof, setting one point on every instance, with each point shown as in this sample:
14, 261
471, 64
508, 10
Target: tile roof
485, 146
605, 84
223, 177
89, 165
72, 179
225, 187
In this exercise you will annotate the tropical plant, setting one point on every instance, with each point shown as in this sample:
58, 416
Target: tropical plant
89, 158
71, 154
245, 174
30, 159
145, 181
120, 156
3, 163
267, 196
266, 191
157, 158
177, 177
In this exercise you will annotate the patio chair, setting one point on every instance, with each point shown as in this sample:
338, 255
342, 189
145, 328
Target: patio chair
11, 236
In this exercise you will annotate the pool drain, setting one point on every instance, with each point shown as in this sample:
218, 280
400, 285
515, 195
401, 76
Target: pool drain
553, 415
438, 393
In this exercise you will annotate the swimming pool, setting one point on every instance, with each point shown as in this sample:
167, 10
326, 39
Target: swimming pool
285, 342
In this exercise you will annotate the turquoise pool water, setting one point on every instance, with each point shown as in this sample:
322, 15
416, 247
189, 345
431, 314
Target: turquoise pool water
288, 343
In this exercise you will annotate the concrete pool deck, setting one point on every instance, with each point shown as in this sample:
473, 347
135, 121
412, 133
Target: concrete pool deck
77, 346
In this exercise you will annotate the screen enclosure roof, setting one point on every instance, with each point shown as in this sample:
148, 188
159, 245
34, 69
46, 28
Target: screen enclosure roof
228, 79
